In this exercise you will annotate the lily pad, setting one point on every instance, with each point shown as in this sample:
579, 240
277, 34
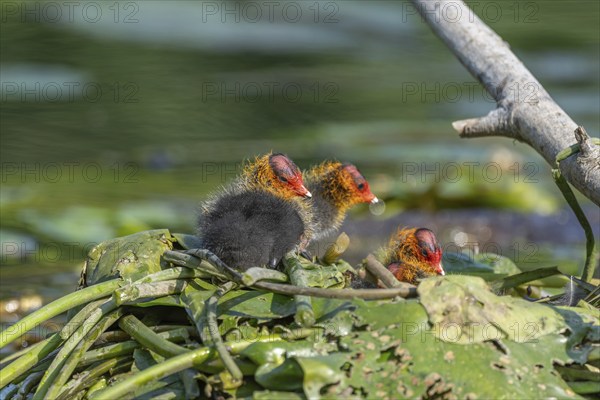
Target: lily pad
462, 309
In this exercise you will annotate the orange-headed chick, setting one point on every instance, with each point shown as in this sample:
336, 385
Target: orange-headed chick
413, 254
335, 187
260, 217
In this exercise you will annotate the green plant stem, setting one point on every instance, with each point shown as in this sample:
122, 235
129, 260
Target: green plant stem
79, 318
571, 374
51, 386
13, 356
181, 362
215, 262
205, 270
148, 338
127, 347
305, 315
132, 293
584, 387
168, 274
29, 359
213, 329
190, 384
86, 378
57, 307
97, 386
9, 391
524, 277
155, 372
590, 243
255, 274
70, 345
29, 382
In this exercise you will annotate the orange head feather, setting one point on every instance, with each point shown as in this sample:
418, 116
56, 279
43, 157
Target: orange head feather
276, 173
343, 184
413, 254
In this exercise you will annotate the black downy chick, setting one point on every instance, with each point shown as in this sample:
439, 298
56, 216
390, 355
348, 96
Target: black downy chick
260, 217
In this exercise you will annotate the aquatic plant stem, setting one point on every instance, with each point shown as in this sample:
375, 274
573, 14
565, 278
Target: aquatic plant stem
55, 386
213, 329
29, 359
87, 378
148, 338
590, 242
305, 315
127, 347
57, 307
185, 361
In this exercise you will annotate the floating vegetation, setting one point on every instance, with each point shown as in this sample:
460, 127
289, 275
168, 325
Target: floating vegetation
153, 320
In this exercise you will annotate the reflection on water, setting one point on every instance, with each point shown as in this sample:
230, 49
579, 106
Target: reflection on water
122, 120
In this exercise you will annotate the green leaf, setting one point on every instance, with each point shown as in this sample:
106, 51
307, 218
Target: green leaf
130, 257
407, 360
488, 266
255, 304
284, 376
275, 352
462, 309
500, 264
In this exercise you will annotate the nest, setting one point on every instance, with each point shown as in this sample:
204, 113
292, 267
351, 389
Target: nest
155, 317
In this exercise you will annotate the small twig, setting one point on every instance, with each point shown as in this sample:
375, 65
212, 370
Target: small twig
495, 123
588, 147
365, 294
405, 290
382, 273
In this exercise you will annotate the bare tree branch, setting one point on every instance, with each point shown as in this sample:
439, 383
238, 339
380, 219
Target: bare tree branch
525, 111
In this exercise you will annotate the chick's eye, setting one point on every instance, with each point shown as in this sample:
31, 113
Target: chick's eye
361, 186
424, 252
283, 179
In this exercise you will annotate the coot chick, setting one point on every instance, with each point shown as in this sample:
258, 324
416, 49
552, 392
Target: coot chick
335, 187
260, 217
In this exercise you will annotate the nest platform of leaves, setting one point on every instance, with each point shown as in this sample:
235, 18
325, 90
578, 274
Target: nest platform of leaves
155, 319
